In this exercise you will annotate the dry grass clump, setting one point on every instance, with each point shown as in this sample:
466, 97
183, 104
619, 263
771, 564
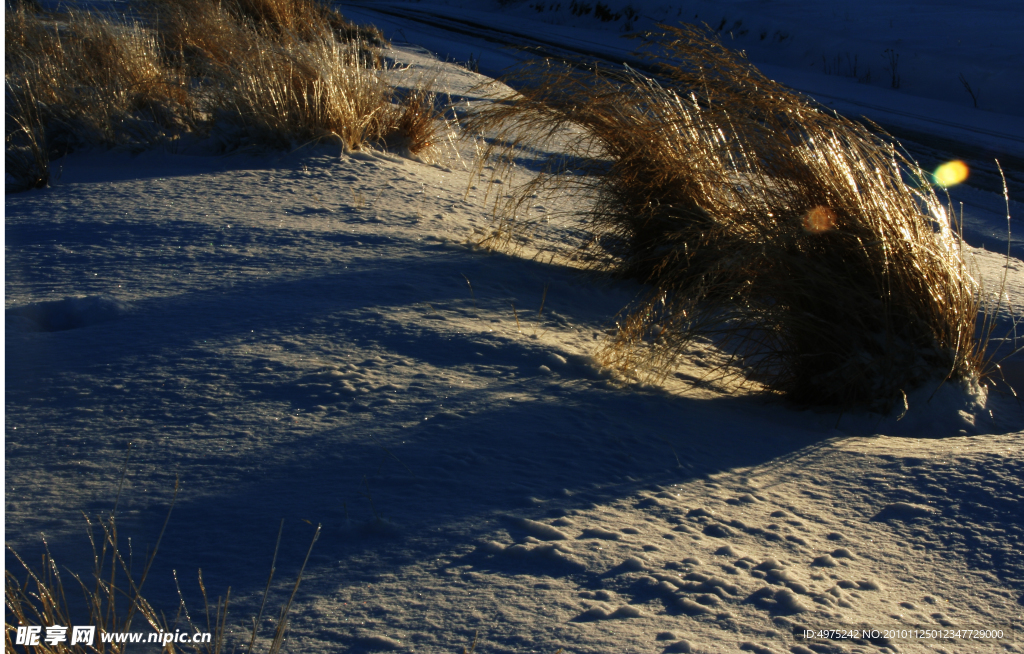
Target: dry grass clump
283, 72
287, 71
76, 79
308, 91
787, 234
274, 73
191, 23
25, 149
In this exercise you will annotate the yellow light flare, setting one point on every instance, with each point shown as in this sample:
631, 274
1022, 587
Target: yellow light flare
819, 220
951, 173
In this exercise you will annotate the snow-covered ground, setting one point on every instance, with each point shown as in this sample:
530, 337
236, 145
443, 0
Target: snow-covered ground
314, 337
830, 50
932, 44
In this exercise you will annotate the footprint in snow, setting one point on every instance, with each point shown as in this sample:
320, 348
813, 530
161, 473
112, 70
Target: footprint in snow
632, 564
746, 498
599, 613
680, 646
66, 314
777, 600
904, 511
545, 552
538, 529
598, 532
378, 643
718, 530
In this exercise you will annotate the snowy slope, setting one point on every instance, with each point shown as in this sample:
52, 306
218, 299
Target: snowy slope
932, 43
314, 337
933, 128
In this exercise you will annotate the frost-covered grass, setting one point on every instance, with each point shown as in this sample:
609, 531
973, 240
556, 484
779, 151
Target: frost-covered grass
800, 241
265, 73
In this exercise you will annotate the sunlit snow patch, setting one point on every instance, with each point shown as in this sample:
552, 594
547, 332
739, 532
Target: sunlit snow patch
62, 315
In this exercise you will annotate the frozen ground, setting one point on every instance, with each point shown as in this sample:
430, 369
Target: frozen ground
313, 337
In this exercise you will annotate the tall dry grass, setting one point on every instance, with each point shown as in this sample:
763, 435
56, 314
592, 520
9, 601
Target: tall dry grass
269, 73
287, 71
25, 149
93, 80
309, 91
113, 598
74, 80
803, 243
211, 26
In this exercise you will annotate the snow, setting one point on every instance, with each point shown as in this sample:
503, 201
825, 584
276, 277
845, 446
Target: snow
935, 42
314, 337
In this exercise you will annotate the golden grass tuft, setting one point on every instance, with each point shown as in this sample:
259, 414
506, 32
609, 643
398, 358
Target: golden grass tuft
84, 79
274, 73
225, 34
802, 243
418, 125
276, 20
309, 91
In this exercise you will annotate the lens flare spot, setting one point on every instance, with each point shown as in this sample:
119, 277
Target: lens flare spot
819, 220
951, 173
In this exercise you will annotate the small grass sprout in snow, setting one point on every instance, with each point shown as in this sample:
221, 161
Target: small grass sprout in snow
113, 598
786, 234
